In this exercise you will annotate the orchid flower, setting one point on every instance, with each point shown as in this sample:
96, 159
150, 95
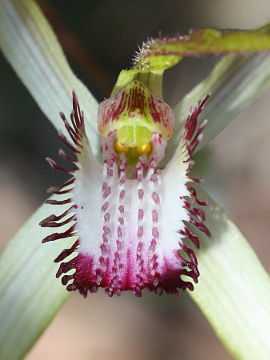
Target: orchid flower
130, 213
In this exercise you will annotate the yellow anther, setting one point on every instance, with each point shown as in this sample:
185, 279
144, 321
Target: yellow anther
133, 152
144, 149
119, 148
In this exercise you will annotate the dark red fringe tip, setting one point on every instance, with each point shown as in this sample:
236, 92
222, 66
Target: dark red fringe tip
194, 238
73, 287
66, 252
57, 224
77, 130
66, 278
54, 217
192, 272
194, 211
63, 155
68, 182
192, 275
75, 124
77, 134
64, 268
201, 226
55, 166
191, 123
193, 195
67, 143
58, 189
190, 267
190, 133
190, 253
192, 136
196, 180
69, 129
56, 236
78, 114
58, 202
54, 190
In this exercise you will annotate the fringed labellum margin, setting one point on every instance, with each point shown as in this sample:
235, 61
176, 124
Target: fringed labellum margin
129, 215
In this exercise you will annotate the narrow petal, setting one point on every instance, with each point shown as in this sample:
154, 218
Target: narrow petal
234, 289
31, 47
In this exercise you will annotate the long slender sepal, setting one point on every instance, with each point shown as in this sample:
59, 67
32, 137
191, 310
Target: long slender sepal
234, 83
234, 289
31, 47
30, 296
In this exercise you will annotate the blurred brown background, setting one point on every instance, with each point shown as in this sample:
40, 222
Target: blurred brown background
99, 38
